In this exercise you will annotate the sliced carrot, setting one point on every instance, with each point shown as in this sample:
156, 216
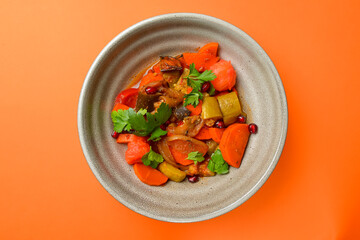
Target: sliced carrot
225, 75
188, 90
204, 134
151, 77
119, 106
211, 48
203, 61
181, 148
195, 110
233, 143
149, 175
216, 133
127, 137
135, 151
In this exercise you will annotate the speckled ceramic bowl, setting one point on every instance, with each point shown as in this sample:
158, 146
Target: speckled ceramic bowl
260, 89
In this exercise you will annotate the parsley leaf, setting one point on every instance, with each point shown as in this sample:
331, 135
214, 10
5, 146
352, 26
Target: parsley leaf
193, 98
196, 157
120, 120
156, 134
217, 163
152, 159
211, 90
195, 80
142, 122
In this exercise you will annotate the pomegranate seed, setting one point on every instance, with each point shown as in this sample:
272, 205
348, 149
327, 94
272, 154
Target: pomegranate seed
167, 122
253, 128
219, 124
201, 69
163, 127
151, 90
193, 179
115, 134
241, 119
205, 87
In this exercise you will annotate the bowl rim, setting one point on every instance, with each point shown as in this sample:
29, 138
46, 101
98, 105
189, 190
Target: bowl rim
103, 54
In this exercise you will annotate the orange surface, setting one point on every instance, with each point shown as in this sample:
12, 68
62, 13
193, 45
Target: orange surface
47, 188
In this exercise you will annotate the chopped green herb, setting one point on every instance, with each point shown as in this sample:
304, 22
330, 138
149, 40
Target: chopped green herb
196, 157
152, 159
217, 163
156, 134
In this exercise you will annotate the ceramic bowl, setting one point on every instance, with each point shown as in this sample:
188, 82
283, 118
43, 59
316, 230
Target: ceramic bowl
260, 89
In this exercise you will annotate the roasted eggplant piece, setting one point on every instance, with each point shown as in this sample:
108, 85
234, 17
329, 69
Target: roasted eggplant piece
181, 112
169, 64
146, 101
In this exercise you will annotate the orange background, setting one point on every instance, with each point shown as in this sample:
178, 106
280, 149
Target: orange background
49, 192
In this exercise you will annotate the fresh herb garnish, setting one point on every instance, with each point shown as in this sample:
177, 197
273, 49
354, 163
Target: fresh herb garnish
142, 122
196, 157
156, 134
217, 163
152, 159
195, 80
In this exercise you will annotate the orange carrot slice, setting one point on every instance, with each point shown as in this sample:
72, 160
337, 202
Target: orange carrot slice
211, 48
202, 61
195, 110
233, 143
149, 175
204, 134
216, 134
225, 75
135, 151
119, 106
127, 137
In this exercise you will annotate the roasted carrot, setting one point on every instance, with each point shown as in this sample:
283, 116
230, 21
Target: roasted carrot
149, 175
225, 75
233, 143
135, 151
151, 77
216, 133
181, 148
127, 137
119, 106
211, 48
195, 110
203, 61
204, 134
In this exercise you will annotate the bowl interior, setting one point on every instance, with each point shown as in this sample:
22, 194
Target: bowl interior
260, 90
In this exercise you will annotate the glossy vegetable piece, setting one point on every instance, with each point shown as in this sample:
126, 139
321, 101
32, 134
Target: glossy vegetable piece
172, 172
195, 110
225, 75
203, 61
146, 101
233, 143
150, 77
216, 134
204, 134
212, 146
136, 150
127, 137
181, 112
149, 175
171, 77
180, 146
210, 108
168, 63
127, 97
120, 106
204, 171
211, 48
230, 107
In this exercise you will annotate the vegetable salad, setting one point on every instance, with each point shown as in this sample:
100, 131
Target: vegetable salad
184, 120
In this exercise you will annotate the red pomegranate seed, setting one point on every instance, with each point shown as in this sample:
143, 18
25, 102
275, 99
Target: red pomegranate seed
193, 179
167, 122
151, 90
163, 127
115, 134
219, 124
241, 119
253, 128
205, 87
